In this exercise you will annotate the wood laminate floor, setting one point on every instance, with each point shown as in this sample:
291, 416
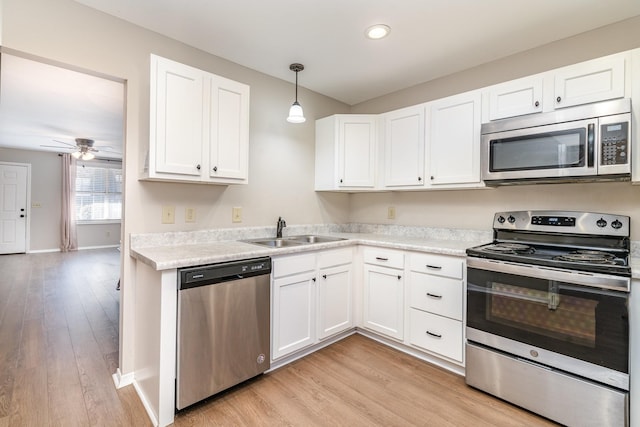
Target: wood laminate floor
59, 348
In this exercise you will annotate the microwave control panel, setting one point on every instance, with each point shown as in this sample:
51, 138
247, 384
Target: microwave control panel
614, 143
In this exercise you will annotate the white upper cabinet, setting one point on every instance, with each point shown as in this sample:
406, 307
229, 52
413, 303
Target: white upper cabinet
228, 129
199, 126
515, 98
404, 147
176, 119
591, 81
346, 147
453, 142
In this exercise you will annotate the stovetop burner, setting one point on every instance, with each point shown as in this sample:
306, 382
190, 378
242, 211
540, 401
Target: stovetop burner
586, 256
510, 248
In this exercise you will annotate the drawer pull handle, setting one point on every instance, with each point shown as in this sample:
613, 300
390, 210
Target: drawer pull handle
434, 267
434, 295
379, 258
434, 335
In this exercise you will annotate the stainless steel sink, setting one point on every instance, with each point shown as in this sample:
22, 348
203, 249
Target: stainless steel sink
293, 241
275, 243
312, 238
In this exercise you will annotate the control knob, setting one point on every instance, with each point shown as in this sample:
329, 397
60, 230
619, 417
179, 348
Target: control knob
601, 223
511, 219
616, 224
501, 219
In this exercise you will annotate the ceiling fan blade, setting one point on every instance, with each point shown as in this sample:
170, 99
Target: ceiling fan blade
66, 143
58, 147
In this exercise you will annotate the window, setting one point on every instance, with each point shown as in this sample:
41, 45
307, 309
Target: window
98, 191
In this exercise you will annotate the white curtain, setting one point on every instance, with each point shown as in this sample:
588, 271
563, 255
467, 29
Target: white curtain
69, 240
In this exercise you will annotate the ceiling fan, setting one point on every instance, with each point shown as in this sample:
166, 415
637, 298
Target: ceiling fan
83, 147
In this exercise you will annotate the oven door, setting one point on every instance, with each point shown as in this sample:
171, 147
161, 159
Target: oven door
551, 151
550, 317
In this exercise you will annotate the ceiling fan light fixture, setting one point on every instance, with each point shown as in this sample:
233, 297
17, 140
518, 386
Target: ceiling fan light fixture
296, 115
377, 31
88, 156
76, 154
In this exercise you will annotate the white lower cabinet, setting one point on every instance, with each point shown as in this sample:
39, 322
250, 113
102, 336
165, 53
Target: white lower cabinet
311, 299
436, 334
436, 304
383, 292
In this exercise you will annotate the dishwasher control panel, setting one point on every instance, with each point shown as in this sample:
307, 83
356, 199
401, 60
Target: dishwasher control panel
223, 272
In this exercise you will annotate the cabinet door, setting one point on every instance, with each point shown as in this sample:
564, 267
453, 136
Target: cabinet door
592, 81
454, 139
404, 147
384, 301
293, 316
228, 129
176, 118
515, 98
356, 151
334, 300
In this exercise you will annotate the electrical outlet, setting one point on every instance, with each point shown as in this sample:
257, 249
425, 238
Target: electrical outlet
36, 205
190, 215
391, 213
236, 214
168, 214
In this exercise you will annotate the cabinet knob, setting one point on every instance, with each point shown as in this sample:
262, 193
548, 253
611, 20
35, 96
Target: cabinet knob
399, 277
21, 216
419, 178
215, 169
537, 104
432, 177
558, 99
324, 276
340, 180
314, 279
198, 167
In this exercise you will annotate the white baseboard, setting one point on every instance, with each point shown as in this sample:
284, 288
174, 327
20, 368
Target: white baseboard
98, 247
42, 251
145, 402
122, 380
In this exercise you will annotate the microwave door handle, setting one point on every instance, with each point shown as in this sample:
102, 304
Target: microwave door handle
590, 144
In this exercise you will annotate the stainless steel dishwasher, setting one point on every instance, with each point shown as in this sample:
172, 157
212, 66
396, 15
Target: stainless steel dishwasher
223, 327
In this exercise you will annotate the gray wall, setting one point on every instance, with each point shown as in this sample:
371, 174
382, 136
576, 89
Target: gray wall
46, 190
474, 209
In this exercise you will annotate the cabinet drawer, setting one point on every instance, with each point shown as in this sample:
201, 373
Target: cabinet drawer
384, 257
438, 264
294, 264
335, 257
436, 334
438, 295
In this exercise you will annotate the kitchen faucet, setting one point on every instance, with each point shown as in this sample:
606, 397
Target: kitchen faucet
281, 224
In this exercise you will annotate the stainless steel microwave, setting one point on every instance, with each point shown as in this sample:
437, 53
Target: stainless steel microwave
590, 142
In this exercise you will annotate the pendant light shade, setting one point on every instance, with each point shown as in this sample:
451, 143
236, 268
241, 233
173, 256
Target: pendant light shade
296, 114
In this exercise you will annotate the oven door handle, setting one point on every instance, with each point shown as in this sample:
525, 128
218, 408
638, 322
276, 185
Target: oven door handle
600, 281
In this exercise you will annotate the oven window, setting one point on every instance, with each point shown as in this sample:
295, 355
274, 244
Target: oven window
581, 322
551, 150
546, 313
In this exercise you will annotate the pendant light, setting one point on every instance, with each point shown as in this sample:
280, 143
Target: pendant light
295, 112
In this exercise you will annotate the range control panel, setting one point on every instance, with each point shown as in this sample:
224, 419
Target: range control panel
588, 223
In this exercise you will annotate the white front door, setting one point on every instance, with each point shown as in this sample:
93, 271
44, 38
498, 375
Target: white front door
13, 207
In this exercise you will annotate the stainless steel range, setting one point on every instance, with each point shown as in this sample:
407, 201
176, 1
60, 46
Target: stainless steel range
547, 315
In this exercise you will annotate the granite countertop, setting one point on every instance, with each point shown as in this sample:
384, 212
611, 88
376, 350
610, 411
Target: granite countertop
164, 251
167, 257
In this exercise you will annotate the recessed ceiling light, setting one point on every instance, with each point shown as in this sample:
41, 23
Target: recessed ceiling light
377, 31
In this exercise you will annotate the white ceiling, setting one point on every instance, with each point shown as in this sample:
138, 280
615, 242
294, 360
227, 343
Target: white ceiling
429, 38
45, 107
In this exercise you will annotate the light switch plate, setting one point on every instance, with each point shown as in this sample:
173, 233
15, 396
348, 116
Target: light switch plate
190, 215
236, 214
168, 214
391, 213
